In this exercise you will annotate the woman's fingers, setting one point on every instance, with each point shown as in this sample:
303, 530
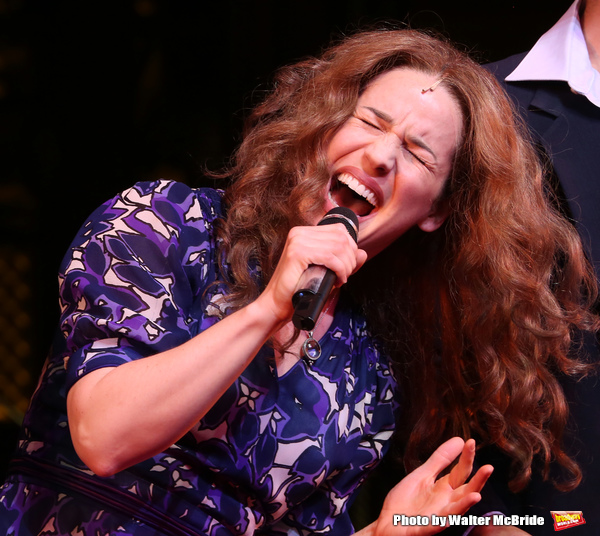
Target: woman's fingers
446, 453
330, 246
443, 456
466, 495
461, 471
479, 479
461, 505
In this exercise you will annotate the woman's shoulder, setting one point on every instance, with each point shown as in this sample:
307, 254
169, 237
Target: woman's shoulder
160, 207
147, 220
193, 202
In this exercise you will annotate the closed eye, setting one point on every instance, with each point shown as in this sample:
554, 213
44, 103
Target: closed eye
367, 122
415, 155
412, 142
418, 158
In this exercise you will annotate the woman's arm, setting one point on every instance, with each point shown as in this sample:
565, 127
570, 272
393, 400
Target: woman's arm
121, 415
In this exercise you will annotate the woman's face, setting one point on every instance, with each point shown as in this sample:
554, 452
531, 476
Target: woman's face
390, 160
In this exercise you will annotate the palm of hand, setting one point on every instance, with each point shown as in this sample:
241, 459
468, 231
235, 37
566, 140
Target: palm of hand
422, 494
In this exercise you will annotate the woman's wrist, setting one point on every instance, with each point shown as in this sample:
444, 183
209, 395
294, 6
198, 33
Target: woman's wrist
265, 310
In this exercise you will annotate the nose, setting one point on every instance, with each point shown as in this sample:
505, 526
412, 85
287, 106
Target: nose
380, 154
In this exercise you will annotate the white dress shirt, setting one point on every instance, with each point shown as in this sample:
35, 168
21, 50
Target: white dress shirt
562, 54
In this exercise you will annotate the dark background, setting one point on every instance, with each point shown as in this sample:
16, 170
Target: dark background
95, 96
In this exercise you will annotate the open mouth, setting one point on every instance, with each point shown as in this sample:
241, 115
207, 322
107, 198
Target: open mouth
347, 192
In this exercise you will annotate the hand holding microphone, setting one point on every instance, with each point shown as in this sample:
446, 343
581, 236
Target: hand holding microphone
316, 282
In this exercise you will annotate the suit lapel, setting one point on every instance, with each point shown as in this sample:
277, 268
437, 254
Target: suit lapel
569, 126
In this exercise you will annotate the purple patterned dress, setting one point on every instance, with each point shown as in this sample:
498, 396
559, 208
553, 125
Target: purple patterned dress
274, 455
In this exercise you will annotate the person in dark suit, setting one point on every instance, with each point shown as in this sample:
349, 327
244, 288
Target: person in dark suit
556, 86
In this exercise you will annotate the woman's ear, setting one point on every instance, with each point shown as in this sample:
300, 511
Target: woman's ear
435, 219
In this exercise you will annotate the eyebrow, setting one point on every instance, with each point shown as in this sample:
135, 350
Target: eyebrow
419, 142
382, 115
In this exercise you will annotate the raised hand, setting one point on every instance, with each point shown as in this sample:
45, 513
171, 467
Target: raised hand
422, 493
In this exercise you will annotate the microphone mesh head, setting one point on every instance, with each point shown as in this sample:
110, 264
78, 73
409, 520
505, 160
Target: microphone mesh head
345, 216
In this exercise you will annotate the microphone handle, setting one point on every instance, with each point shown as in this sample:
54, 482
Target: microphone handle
309, 301
317, 281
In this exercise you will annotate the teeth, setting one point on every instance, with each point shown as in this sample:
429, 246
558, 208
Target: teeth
332, 199
357, 187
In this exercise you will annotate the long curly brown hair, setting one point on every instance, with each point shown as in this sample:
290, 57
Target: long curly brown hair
478, 316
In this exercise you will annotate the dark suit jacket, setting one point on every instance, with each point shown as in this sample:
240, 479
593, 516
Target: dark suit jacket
567, 126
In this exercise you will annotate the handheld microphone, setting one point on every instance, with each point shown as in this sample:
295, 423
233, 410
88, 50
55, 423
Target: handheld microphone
316, 282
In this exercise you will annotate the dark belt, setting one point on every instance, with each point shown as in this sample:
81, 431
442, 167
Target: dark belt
46, 475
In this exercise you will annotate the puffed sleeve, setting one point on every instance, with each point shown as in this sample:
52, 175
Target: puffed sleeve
133, 280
